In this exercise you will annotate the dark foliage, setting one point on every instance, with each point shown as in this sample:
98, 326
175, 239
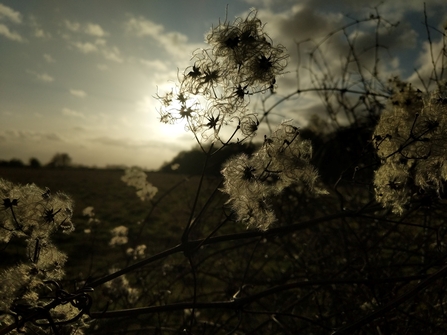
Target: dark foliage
60, 160
34, 163
192, 162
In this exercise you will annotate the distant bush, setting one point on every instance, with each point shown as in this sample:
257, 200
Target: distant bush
189, 162
34, 163
14, 162
60, 160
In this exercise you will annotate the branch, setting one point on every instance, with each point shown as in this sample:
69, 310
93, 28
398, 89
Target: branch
239, 303
188, 246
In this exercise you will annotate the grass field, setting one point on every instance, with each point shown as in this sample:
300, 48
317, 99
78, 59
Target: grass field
315, 277
115, 204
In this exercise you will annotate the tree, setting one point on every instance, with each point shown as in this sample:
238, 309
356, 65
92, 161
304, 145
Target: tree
34, 163
15, 162
60, 160
270, 248
188, 161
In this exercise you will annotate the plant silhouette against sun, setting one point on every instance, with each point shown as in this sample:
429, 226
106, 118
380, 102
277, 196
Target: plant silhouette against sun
268, 247
213, 94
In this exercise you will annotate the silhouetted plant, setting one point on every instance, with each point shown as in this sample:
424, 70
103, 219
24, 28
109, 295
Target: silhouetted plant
269, 248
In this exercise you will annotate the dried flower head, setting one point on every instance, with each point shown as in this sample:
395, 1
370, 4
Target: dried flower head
119, 288
411, 140
252, 181
119, 236
136, 177
34, 215
138, 252
241, 61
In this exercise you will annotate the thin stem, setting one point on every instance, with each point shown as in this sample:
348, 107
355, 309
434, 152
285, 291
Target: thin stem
190, 245
196, 199
237, 304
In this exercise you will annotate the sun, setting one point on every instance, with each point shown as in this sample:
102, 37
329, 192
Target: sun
177, 110
173, 131
179, 126
158, 129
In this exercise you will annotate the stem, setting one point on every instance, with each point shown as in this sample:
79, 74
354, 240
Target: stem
196, 199
237, 304
191, 245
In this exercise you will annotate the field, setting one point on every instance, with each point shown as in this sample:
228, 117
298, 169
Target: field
317, 269
115, 204
158, 225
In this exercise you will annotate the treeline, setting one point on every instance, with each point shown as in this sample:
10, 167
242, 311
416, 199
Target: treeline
332, 150
191, 162
59, 160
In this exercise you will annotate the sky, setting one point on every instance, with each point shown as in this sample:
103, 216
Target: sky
79, 77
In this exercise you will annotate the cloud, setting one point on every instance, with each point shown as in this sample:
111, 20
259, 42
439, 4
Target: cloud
72, 26
38, 31
99, 46
31, 136
86, 47
71, 112
112, 54
52, 137
333, 62
156, 64
49, 58
175, 43
391, 10
130, 143
100, 42
94, 30
143, 27
91, 29
429, 55
300, 23
45, 77
330, 41
4, 30
78, 93
9, 13
123, 142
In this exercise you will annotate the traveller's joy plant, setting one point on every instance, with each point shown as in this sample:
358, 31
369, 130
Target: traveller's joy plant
34, 215
411, 141
212, 96
310, 262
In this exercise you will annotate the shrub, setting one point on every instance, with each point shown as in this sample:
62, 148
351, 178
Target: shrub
269, 247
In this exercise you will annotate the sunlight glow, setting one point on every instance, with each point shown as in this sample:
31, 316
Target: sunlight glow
173, 131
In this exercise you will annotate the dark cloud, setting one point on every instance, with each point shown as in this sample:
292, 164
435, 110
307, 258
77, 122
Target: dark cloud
29, 136
305, 23
341, 45
129, 143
